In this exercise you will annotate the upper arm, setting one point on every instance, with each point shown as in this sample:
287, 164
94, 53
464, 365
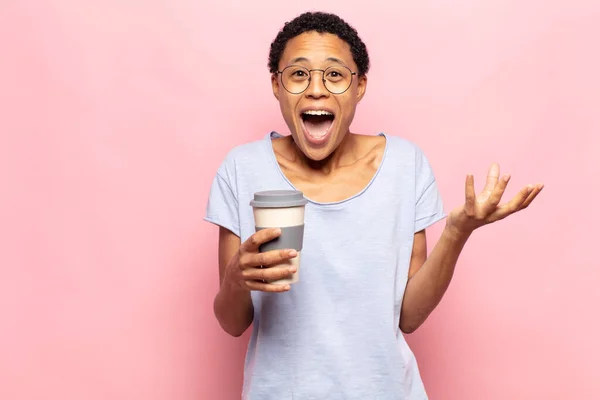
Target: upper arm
419, 253
429, 207
222, 209
229, 245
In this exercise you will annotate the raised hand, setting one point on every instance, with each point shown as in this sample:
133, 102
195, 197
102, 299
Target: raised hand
485, 208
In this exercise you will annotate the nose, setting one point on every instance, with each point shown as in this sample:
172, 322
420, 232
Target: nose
316, 86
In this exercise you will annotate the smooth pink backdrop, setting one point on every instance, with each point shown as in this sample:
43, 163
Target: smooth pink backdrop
114, 116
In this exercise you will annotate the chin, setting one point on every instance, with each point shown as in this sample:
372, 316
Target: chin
318, 155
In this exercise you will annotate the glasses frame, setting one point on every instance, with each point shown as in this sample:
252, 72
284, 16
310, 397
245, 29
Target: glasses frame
310, 75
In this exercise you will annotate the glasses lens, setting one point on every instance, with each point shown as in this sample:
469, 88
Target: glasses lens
295, 79
337, 79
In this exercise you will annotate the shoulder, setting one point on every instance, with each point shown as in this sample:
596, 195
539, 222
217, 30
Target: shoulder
401, 144
409, 159
405, 151
242, 157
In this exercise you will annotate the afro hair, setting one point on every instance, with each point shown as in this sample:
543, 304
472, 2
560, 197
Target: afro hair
322, 23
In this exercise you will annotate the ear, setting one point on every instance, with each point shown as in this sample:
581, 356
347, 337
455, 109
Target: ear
362, 87
275, 85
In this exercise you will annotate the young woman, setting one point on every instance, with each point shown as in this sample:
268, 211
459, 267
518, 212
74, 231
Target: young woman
366, 278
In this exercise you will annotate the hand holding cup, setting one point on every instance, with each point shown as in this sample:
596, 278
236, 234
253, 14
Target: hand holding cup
252, 269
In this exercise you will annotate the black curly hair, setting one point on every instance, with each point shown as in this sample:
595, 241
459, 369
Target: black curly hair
323, 23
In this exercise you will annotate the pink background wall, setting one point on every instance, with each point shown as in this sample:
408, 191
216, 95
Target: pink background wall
114, 116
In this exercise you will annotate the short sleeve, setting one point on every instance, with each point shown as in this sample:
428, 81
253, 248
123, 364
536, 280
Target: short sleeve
222, 207
429, 205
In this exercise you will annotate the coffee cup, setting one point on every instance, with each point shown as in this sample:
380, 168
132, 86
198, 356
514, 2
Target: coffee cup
283, 209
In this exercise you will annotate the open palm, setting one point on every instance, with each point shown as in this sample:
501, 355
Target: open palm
485, 208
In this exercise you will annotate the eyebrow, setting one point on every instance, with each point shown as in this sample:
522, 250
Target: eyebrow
304, 59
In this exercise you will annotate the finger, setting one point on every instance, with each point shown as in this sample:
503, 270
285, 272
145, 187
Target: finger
267, 287
498, 191
271, 257
470, 195
268, 274
536, 190
512, 206
264, 235
492, 178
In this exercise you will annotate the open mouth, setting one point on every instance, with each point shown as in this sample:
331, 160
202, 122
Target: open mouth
317, 123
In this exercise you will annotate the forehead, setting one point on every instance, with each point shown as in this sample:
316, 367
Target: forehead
316, 49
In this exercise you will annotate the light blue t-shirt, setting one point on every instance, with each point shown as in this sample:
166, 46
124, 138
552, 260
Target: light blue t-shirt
335, 334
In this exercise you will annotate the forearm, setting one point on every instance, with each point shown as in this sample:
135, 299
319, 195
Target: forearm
426, 288
233, 309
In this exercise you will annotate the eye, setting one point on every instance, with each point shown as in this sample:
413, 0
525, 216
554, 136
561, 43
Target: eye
335, 75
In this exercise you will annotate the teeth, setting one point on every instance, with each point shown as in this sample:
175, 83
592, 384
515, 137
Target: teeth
317, 112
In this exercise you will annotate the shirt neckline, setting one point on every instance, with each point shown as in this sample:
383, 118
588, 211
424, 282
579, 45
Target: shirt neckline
273, 159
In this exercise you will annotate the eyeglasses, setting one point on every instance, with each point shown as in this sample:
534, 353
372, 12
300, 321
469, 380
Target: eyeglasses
296, 79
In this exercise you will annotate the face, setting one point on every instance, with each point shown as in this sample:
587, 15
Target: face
318, 119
